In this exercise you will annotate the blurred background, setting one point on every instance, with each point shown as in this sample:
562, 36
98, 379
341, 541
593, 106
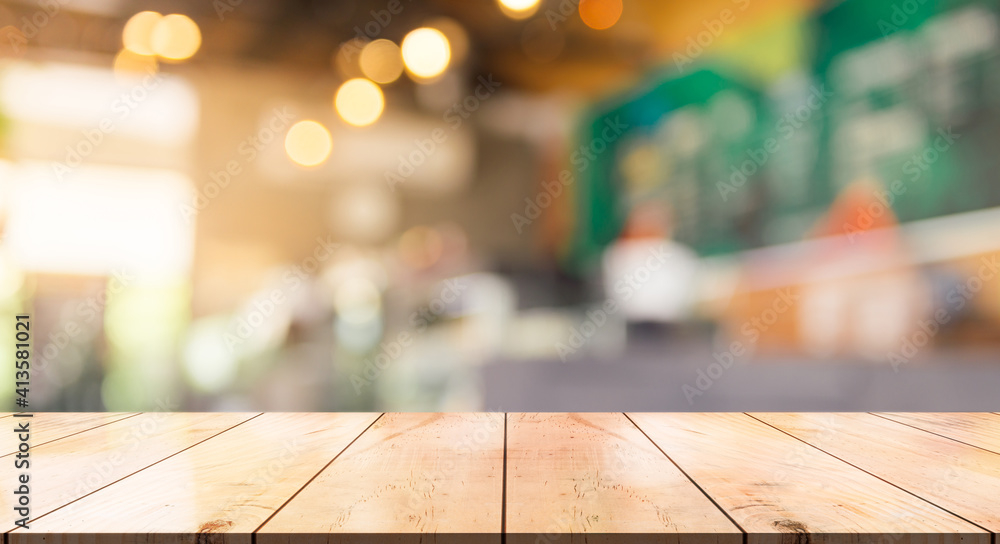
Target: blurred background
514, 205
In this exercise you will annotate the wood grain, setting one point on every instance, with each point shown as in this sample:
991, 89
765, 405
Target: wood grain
48, 426
410, 478
850, 478
780, 490
68, 469
225, 486
597, 478
978, 429
961, 479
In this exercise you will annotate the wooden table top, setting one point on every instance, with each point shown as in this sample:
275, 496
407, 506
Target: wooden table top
524, 478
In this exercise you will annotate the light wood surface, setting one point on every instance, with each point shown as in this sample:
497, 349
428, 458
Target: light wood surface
48, 426
85, 462
978, 429
773, 485
229, 484
722, 478
598, 474
959, 478
409, 475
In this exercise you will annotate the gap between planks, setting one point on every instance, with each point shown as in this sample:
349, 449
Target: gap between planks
685, 473
253, 535
504, 479
688, 476
133, 473
877, 414
928, 501
61, 437
503, 493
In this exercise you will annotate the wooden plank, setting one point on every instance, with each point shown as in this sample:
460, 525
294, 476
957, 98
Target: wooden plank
65, 470
48, 426
980, 429
416, 477
773, 485
596, 478
961, 479
227, 485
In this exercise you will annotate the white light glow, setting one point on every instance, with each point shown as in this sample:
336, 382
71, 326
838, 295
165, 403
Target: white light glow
100, 220
155, 107
426, 52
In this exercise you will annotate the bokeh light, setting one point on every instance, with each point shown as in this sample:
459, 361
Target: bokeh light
357, 300
426, 52
359, 102
357, 337
308, 143
364, 212
420, 247
519, 9
381, 61
138, 32
458, 38
600, 14
13, 42
208, 363
175, 37
129, 64
345, 59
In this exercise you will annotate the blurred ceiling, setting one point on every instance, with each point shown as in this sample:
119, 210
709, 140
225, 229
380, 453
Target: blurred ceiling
552, 50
